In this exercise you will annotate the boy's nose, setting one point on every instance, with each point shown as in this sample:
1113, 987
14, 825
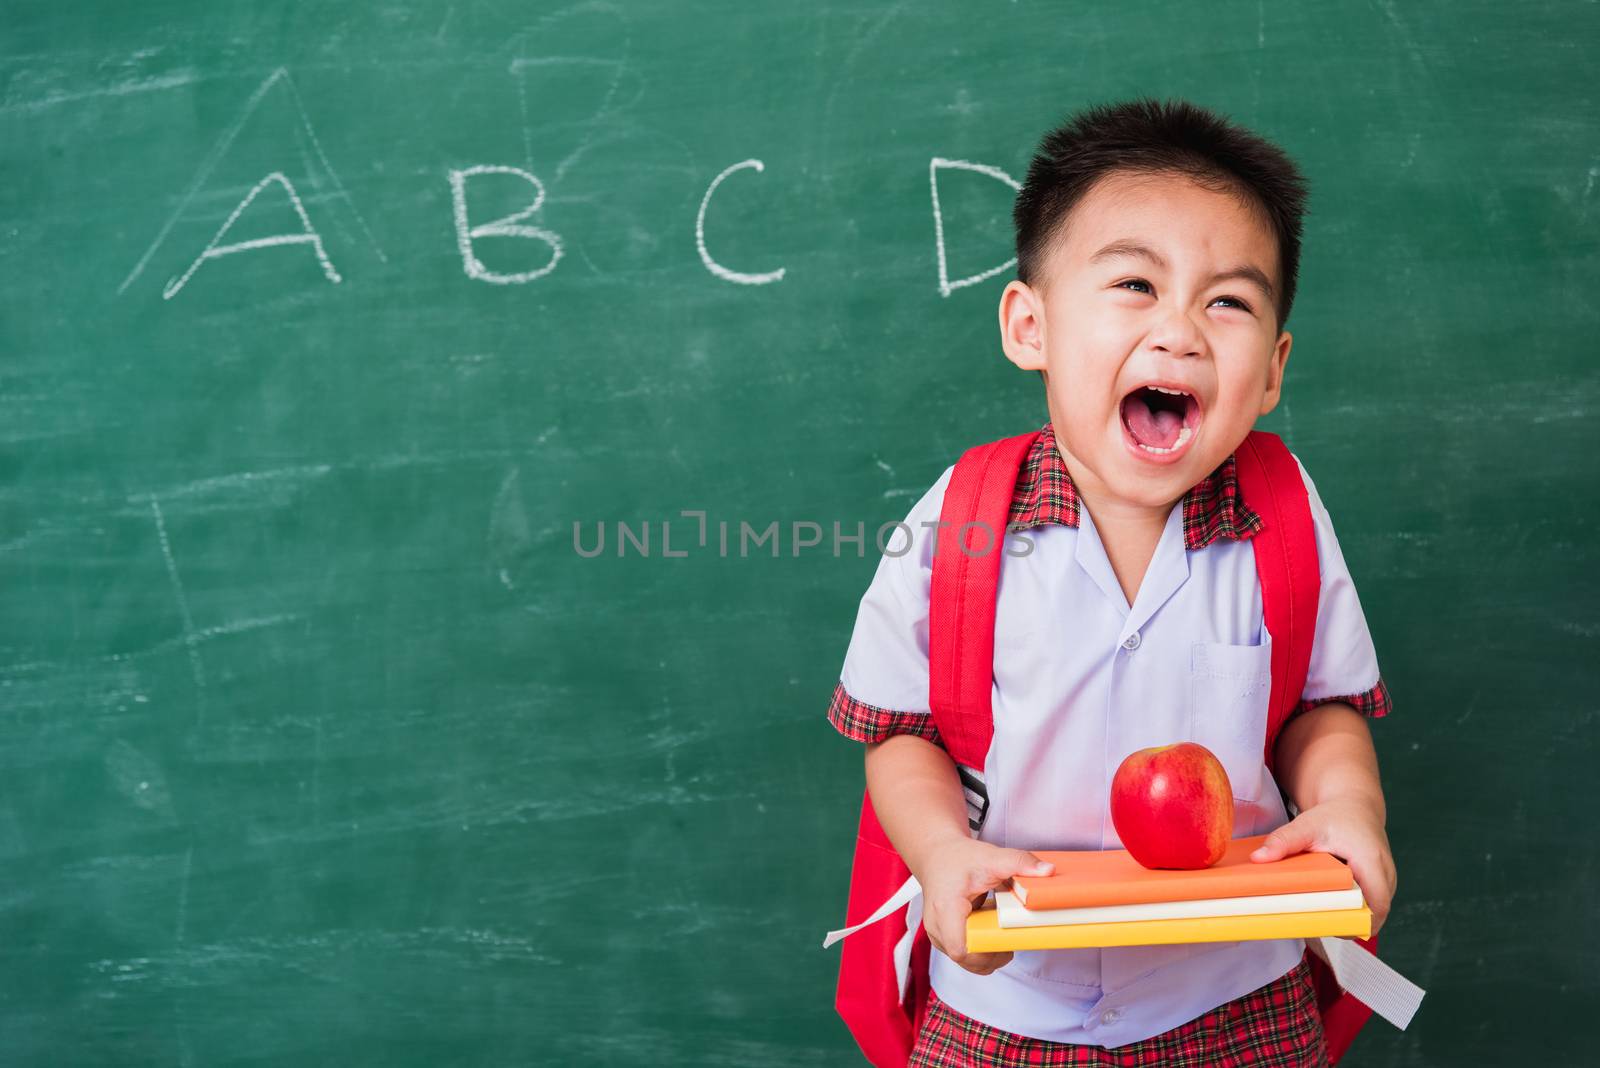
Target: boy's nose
1177, 335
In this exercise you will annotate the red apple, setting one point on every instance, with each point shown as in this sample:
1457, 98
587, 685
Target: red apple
1172, 806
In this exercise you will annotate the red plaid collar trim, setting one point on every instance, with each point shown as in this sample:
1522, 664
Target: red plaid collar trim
1045, 494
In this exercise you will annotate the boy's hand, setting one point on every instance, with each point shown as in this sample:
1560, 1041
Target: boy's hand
1351, 830
955, 877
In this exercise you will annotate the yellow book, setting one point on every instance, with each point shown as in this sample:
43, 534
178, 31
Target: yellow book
985, 935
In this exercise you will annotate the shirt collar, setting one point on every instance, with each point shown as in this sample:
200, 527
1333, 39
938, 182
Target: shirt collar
1044, 494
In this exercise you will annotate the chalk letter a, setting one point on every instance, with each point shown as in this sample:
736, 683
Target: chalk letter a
307, 236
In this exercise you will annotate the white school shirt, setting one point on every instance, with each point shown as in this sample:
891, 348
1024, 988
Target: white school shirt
1082, 679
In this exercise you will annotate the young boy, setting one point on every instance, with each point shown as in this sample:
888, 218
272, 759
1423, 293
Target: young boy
1157, 250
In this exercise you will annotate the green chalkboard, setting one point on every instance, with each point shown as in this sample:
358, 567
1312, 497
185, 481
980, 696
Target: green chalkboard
325, 742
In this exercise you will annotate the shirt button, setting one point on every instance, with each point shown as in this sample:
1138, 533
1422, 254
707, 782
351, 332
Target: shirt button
1111, 1016
1131, 642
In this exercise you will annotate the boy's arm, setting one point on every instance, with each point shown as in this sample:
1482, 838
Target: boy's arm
1327, 753
918, 800
1327, 765
882, 701
917, 797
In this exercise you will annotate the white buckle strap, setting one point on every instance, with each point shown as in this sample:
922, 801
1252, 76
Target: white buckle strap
1372, 982
910, 893
908, 890
902, 948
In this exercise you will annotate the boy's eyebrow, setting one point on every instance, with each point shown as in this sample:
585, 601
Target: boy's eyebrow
1127, 247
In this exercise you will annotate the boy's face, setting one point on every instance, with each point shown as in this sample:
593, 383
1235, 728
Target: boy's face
1106, 322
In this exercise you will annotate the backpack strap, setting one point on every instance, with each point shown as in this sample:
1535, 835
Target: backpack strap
1286, 561
968, 550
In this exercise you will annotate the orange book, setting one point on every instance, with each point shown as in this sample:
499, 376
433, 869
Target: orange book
1087, 878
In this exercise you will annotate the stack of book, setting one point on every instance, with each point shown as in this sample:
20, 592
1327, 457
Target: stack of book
1106, 898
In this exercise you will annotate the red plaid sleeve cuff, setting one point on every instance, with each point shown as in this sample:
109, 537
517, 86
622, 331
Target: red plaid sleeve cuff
1374, 703
869, 723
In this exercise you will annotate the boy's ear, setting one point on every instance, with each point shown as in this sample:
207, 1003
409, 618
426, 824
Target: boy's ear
1278, 360
1022, 325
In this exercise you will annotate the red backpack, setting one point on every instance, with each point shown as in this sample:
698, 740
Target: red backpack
883, 967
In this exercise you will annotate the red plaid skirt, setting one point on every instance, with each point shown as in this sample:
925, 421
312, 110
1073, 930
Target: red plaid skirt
1275, 1025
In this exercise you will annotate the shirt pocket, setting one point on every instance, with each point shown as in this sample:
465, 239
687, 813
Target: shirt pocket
1229, 689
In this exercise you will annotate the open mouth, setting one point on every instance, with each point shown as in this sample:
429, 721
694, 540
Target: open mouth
1160, 421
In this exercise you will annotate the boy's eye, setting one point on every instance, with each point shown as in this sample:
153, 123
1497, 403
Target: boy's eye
1141, 282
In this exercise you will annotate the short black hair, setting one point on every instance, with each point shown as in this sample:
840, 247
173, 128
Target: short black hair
1147, 136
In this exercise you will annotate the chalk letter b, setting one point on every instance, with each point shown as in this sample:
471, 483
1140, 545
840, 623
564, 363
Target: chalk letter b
510, 226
